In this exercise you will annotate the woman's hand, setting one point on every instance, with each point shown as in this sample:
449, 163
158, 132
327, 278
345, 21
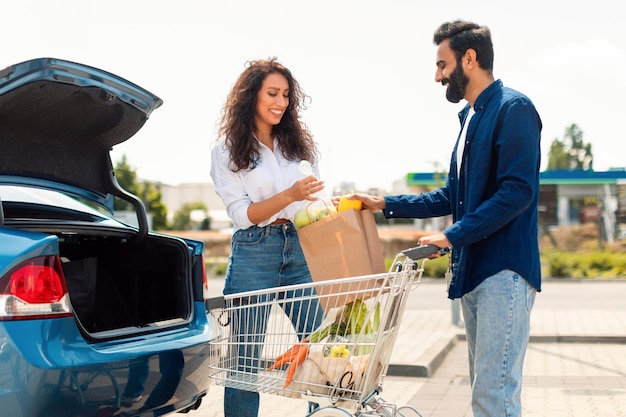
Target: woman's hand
305, 188
302, 189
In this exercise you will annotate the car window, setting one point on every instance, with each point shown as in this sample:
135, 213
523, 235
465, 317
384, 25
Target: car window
26, 201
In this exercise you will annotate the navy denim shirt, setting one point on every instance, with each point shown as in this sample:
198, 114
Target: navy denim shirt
494, 200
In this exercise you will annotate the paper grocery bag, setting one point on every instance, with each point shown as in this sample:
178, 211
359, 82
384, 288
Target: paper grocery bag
325, 375
344, 244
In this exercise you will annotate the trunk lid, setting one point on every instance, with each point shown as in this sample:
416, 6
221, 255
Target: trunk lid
60, 119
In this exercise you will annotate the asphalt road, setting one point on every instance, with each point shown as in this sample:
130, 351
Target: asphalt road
556, 294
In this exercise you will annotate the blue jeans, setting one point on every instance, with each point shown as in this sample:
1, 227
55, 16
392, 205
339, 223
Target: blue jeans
260, 258
497, 325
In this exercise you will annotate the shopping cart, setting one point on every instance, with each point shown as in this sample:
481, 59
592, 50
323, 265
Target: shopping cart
327, 341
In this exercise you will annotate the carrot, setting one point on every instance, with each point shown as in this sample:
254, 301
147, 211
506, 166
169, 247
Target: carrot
288, 355
302, 354
285, 357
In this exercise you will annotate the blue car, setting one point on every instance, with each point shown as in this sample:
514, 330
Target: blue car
97, 317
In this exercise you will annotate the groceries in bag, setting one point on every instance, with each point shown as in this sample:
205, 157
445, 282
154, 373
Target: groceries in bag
346, 203
312, 211
335, 356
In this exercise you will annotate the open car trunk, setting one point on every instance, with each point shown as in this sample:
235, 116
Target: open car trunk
58, 123
116, 288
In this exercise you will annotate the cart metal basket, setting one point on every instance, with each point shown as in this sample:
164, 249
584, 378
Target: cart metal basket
347, 327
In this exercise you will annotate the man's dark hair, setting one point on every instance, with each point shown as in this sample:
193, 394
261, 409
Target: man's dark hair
464, 35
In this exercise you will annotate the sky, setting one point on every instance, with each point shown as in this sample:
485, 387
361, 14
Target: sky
376, 112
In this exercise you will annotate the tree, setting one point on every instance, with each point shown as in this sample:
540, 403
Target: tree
148, 192
151, 196
127, 178
183, 219
572, 152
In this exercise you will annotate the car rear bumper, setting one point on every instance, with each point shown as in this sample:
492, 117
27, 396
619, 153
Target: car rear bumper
163, 373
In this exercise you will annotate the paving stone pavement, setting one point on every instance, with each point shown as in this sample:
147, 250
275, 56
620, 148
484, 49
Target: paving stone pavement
560, 380
575, 364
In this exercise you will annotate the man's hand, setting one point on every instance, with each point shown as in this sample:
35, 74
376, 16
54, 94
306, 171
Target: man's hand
438, 239
370, 202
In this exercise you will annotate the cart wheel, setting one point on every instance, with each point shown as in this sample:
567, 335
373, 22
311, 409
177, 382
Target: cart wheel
330, 412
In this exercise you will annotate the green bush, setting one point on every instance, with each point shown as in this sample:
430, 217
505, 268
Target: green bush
596, 264
555, 264
215, 267
558, 264
436, 268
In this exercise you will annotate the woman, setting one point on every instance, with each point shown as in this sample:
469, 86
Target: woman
254, 166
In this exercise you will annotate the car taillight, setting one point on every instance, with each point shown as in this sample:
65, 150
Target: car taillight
34, 289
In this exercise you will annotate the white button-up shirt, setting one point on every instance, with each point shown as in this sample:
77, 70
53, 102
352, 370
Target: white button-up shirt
238, 190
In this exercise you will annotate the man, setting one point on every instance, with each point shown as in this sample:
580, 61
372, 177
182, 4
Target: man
491, 192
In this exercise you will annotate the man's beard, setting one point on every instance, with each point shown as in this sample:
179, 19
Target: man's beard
457, 83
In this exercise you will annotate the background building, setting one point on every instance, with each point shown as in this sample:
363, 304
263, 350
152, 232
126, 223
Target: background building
566, 197
175, 196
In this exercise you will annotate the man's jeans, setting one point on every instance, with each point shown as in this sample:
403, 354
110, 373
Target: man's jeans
497, 325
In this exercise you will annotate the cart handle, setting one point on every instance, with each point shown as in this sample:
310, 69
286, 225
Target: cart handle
425, 251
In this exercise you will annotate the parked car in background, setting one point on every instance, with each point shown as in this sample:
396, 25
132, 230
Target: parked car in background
97, 317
